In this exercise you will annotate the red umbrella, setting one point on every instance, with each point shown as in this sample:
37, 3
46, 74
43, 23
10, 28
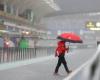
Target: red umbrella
70, 37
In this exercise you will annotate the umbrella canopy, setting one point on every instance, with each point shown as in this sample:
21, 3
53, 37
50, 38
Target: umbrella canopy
70, 37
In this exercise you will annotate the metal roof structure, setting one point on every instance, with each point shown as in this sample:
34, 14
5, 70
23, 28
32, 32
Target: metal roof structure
57, 7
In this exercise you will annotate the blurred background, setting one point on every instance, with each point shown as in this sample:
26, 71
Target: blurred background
31, 27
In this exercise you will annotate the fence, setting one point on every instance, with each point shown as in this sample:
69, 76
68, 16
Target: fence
17, 54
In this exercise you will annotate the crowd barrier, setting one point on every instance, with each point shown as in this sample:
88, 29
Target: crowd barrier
16, 54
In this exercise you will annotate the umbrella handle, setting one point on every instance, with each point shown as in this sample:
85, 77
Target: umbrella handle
69, 42
68, 46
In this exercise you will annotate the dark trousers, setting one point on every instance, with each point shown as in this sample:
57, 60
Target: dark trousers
63, 61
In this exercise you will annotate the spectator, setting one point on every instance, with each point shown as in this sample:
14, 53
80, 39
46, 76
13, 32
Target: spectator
1, 41
8, 43
23, 43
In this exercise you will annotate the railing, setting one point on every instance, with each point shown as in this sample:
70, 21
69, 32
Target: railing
17, 54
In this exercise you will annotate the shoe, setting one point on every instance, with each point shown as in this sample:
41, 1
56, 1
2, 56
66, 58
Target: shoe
56, 73
69, 72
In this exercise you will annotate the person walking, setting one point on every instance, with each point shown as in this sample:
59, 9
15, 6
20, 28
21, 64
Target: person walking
60, 53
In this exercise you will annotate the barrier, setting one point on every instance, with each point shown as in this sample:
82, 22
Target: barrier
17, 54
